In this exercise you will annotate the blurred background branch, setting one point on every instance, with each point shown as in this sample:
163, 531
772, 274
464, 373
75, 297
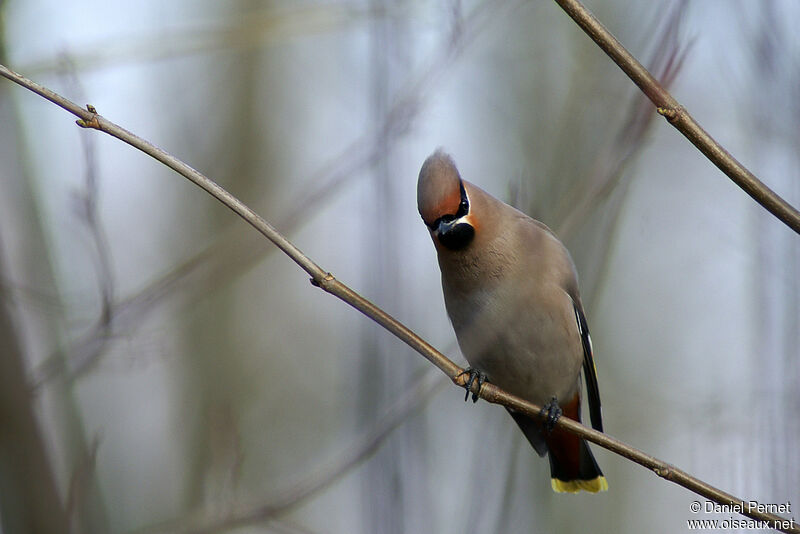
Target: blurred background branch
231, 254
320, 477
29, 496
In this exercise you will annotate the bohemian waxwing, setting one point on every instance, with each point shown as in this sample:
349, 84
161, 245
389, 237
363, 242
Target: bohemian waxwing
511, 292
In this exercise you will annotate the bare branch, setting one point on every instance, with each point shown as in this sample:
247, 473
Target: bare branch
89, 118
363, 153
679, 117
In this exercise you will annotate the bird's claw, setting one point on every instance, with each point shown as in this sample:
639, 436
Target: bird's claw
474, 374
551, 412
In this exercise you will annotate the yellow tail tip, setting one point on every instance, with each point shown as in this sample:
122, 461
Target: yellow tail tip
574, 486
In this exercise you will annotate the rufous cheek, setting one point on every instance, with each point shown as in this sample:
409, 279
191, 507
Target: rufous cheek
447, 203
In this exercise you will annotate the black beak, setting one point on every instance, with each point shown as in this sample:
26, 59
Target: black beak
454, 234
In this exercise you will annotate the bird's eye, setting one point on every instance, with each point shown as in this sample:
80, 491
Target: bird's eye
463, 207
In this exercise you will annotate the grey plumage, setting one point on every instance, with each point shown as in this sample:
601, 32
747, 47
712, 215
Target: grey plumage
511, 292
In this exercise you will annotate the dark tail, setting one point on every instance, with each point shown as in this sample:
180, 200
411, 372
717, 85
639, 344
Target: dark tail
572, 466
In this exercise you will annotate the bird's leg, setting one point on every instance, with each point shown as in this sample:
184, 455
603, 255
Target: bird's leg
473, 375
553, 412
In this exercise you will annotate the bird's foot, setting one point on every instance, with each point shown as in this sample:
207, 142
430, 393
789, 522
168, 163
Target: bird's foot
551, 412
474, 375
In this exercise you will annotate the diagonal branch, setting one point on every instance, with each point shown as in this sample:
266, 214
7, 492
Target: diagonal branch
679, 117
89, 118
83, 354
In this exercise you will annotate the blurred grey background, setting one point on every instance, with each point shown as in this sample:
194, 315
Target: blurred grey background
165, 369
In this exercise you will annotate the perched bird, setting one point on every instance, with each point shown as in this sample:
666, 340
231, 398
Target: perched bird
511, 292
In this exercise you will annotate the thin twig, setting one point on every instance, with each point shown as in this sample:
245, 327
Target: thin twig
679, 117
89, 118
83, 354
